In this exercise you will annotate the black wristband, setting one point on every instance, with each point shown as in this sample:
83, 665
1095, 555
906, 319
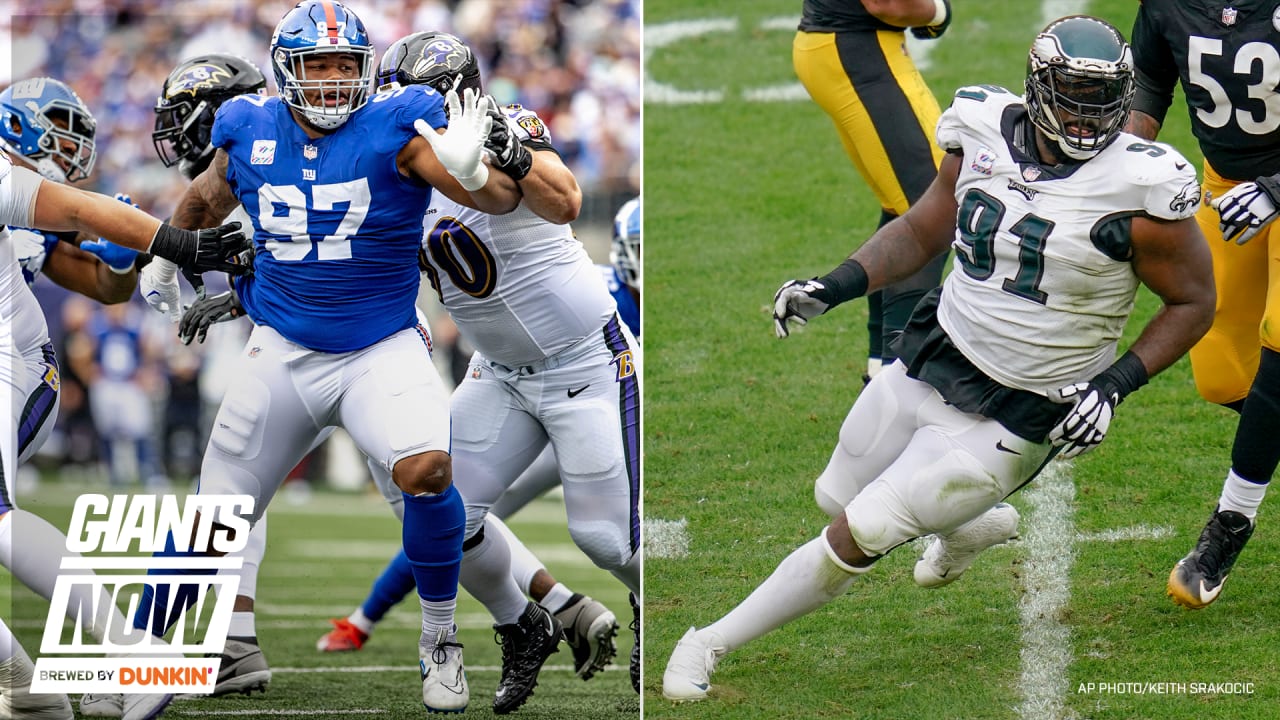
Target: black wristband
1123, 377
142, 260
175, 244
846, 282
1270, 184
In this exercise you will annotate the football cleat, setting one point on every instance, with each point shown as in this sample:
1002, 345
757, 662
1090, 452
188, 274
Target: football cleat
444, 680
635, 649
243, 669
144, 707
344, 637
948, 557
1197, 579
526, 645
589, 629
104, 705
688, 674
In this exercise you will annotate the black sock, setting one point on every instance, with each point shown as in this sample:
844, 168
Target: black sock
1256, 450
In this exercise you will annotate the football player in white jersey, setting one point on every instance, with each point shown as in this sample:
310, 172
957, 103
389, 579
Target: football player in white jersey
554, 364
1056, 216
28, 372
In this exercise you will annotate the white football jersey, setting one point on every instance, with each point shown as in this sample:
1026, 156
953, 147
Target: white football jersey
519, 288
1042, 285
20, 313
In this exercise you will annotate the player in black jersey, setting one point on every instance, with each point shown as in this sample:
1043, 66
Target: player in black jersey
851, 57
1225, 58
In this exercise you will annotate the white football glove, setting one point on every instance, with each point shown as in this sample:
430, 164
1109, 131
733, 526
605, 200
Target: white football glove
795, 302
1246, 209
1086, 425
461, 148
158, 285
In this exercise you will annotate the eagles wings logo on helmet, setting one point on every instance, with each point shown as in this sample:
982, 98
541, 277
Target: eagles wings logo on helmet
190, 97
45, 122
1079, 84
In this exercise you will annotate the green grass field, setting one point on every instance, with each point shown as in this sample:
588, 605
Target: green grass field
743, 194
321, 558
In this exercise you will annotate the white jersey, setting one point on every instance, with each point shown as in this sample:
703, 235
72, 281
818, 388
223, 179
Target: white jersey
519, 288
20, 313
1042, 284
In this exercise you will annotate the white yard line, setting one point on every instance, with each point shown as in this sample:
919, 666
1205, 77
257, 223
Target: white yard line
1049, 535
414, 668
316, 712
1136, 532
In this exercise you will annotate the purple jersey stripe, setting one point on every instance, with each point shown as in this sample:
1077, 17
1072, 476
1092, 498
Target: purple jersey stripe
629, 415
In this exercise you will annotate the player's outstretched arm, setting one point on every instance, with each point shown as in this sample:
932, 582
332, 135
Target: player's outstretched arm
91, 275
208, 199
893, 253
550, 190
60, 207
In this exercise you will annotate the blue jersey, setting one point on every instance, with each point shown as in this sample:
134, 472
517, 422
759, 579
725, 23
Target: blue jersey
336, 226
628, 308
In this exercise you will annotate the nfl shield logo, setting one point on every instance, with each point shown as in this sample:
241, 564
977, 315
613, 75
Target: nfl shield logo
1229, 15
310, 152
1030, 173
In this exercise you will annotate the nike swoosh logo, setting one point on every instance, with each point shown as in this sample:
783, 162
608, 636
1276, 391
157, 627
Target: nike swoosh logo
456, 688
1001, 447
701, 686
1180, 166
1207, 595
574, 393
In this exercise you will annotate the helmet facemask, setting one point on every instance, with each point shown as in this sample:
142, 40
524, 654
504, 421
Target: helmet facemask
1079, 102
67, 134
182, 135
337, 99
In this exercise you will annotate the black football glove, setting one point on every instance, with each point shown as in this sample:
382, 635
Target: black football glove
200, 251
207, 311
1086, 424
933, 32
509, 154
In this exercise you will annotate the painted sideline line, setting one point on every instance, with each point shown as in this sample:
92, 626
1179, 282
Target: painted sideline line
1136, 532
1046, 642
318, 712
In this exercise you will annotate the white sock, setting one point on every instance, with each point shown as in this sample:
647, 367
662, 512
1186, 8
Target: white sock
1241, 495
486, 574
524, 564
556, 597
437, 613
359, 619
804, 581
242, 625
39, 565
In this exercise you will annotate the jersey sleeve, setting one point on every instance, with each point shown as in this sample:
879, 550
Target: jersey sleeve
530, 129
1155, 68
1173, 192
229, 120
421, 103
18, 190
970, 107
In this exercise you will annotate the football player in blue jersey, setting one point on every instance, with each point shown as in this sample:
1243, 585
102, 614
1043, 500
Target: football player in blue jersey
336, 182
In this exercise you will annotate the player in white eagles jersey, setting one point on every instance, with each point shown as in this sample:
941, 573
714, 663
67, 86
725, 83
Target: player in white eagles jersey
27, 372
553, 363
1055, 216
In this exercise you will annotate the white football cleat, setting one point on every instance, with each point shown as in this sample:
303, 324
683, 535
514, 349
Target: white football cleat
444, 680
948, 557
688, 674
103, 705
145, 707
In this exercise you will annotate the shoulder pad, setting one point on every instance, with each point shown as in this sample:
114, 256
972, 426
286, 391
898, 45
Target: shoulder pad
976, 109
1172, 190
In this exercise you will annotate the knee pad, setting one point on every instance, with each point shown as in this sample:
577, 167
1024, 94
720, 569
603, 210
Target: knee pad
607, 545
826, 502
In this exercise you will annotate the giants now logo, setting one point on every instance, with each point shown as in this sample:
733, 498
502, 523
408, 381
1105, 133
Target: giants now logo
130, 659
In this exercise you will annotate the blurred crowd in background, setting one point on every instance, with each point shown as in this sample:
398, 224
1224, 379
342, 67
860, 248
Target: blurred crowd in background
575, 62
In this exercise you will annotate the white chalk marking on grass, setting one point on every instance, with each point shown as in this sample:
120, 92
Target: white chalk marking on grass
1046, 642
1136, 532
666, 538
663, 34
264, 712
